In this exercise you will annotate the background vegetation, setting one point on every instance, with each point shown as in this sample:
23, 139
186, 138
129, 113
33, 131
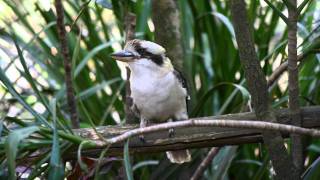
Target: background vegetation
32, 88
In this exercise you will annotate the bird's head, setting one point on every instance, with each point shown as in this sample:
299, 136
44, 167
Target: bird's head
140, 52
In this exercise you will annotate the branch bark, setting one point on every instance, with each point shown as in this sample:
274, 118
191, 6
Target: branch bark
297, 144
67, 64
257, 86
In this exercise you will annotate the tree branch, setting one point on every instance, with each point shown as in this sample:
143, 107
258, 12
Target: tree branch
216, 123
297, 143
165, 17
67, 64
205, 163
193, 136
258, 89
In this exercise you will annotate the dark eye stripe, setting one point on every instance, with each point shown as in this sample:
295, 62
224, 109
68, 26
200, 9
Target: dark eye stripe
145, 54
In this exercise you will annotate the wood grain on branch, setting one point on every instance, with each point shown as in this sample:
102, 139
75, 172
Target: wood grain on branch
194, 137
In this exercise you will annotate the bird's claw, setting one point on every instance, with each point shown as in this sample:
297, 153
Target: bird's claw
142, 139
171, 133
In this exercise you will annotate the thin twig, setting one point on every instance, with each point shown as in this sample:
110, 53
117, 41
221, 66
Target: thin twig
217, 123
67, 64
205, 163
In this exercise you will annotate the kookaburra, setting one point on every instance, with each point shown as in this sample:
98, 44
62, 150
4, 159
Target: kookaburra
158, 90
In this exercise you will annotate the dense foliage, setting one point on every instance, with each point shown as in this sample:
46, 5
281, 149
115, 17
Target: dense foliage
32, 88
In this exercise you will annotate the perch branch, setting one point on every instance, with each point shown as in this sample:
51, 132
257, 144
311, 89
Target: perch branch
195, 137
261, 125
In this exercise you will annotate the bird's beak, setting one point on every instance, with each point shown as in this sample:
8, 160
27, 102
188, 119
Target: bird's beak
123, 55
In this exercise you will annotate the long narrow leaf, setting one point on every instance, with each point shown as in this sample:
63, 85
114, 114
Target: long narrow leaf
15, 94
11, 146
127, 164
56, 167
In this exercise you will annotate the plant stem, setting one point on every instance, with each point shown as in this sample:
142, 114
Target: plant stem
67, 64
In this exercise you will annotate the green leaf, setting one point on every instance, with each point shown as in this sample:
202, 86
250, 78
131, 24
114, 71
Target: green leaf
11, 146
102, 155
1, 125
221, 163
313, 170
28, 75
127, 164
15, 94
144, 163
93, 90
302, 5
76, 53
82, 165
93, 52
104, 3
56, 170
276, 10
201, 103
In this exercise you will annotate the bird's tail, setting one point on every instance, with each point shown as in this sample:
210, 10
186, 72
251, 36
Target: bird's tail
180, 156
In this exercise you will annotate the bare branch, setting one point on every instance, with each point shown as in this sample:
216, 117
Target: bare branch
297, 145
257, 86
67, 64
192, 137
217, 123
205, 163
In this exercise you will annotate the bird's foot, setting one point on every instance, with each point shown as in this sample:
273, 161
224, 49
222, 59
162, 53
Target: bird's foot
171, 133
142, 139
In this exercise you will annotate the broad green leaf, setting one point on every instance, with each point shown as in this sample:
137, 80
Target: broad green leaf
11, 146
